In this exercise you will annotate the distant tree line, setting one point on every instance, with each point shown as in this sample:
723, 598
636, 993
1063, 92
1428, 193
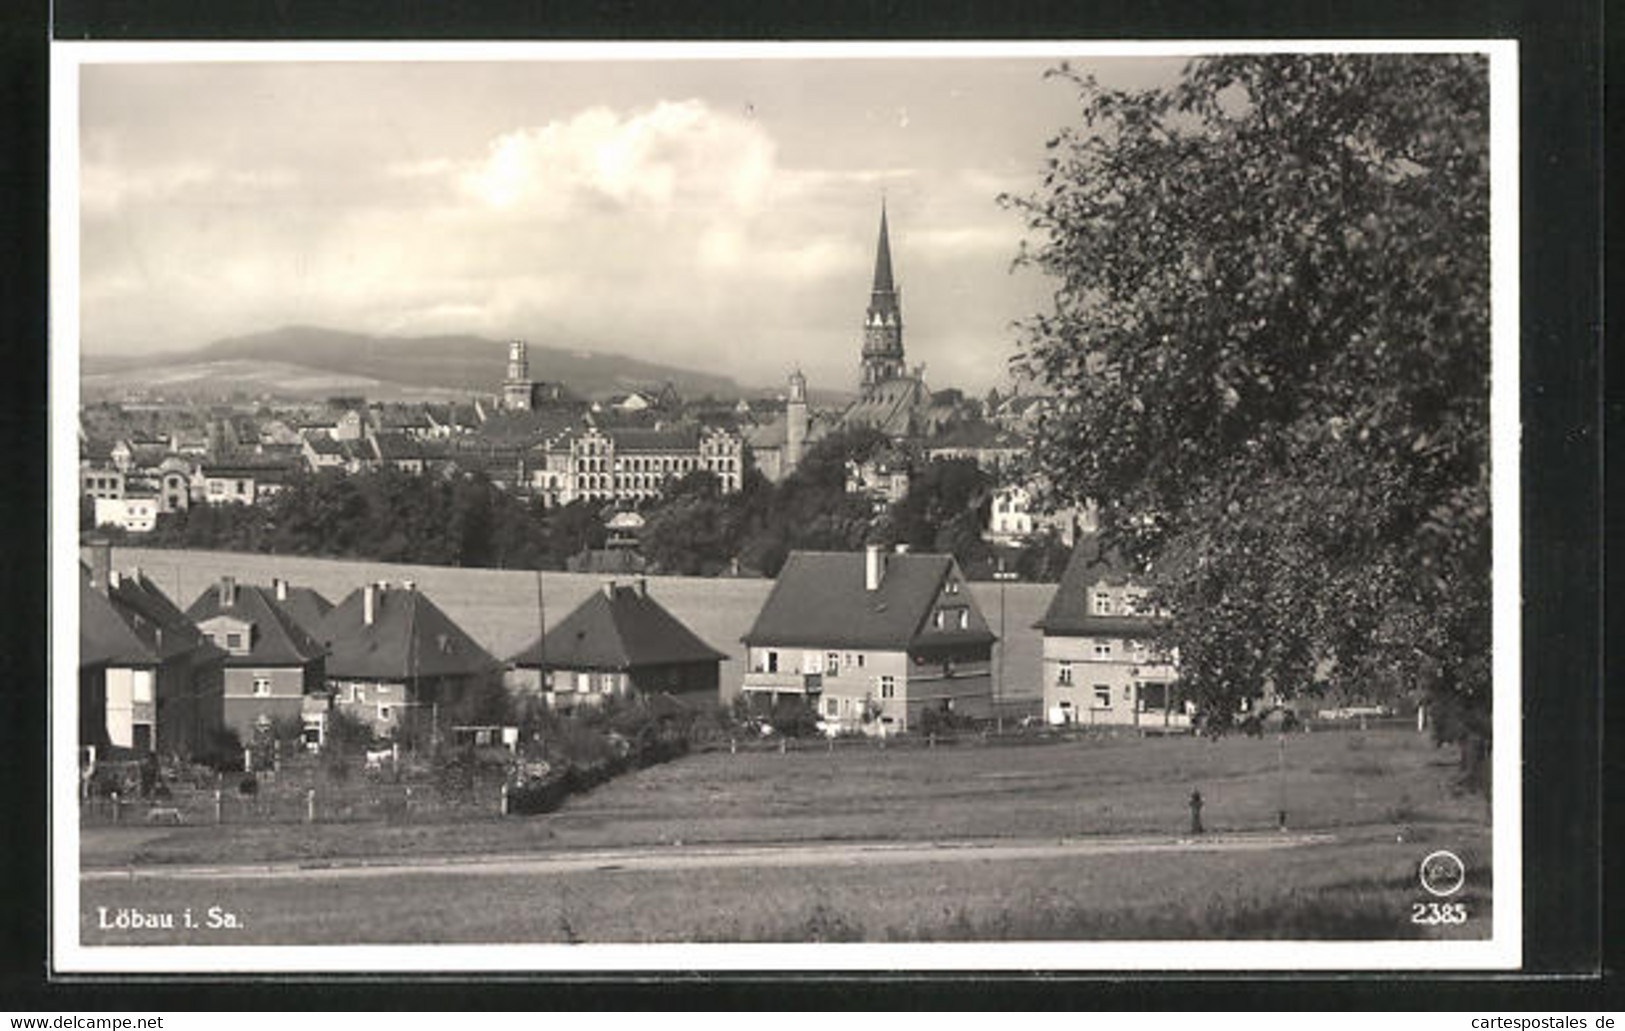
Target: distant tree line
694, 529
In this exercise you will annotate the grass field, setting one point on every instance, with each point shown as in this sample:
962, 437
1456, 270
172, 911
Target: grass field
1092, 786
498, 607
1361, 890
1386, 795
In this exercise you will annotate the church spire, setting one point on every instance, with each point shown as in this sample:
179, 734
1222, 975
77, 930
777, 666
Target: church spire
883, 280
883, 323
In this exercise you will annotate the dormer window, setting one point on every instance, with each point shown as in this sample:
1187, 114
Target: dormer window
1103, 603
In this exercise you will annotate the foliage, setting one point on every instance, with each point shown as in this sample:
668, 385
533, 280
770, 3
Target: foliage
384, 514
945, 509
1269, 349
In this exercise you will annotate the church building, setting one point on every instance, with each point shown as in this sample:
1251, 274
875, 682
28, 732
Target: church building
893, 398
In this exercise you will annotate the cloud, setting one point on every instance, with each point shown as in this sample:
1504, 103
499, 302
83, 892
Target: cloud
673, 154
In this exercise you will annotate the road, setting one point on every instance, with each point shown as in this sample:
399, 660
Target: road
678, 857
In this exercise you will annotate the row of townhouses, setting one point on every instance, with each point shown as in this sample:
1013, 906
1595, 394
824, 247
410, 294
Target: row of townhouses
870, 641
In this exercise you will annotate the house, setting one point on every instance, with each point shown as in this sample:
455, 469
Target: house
399, 451
100, 481
883, 477
349, 456
1014, 518
273, 668
619, 643
149, 681
990, 447
872, 639
394, 659
133, 514
1099, 663
174, 484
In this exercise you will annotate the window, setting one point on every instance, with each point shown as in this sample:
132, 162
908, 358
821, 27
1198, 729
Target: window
831, 706
1103, 649
262, 687
141, 686
888, 687
1063, 675
964, 619
832, 664
1139, 651
953, 586
937, 619
772, 662
234, 641
1103, 603
1131, 604
384, 712
1103, 696
242, 487
860, 660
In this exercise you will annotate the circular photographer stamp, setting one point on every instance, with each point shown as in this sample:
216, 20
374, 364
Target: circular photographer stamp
1442, 873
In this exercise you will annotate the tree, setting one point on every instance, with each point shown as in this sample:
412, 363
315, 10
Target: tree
1269, 351
945, 509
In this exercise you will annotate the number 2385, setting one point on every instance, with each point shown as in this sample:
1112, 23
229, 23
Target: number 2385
1438, 912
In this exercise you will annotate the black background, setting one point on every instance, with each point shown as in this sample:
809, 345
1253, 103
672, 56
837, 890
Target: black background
1565, 521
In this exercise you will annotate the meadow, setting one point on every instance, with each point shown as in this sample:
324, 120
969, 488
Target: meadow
1360, 889
499, 607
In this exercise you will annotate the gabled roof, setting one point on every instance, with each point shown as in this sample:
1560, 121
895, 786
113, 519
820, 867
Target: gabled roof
394, 447
307, 606
683, 438
278, 638
408, 637
105, 637
134, 624
820, 601
627, 631
1069, 611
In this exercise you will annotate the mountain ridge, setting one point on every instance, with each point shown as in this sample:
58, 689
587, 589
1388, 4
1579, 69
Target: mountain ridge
452, 362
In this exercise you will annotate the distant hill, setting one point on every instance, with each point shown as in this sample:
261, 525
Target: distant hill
313, 360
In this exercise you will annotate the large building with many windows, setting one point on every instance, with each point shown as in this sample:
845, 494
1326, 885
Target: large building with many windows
632, 465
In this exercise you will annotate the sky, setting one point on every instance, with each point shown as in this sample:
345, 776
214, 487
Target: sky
714, 214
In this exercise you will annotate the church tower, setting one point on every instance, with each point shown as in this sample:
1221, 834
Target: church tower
517, 388
883, 324
795, 422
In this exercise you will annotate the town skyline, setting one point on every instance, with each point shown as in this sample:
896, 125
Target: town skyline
716, 215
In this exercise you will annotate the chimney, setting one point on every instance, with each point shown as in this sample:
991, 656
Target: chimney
874, 566
281, 587
228, 592
369, 603
101, 564
901, 549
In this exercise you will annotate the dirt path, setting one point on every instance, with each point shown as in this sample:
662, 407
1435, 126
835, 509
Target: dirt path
677, 857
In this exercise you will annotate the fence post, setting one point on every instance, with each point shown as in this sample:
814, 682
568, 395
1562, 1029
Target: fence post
310, 805
504, 798
733, 747
931, 740
115, 807
783, 744
217, 805
406, 810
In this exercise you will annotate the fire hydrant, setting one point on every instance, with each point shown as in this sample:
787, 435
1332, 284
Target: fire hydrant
1196, 812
